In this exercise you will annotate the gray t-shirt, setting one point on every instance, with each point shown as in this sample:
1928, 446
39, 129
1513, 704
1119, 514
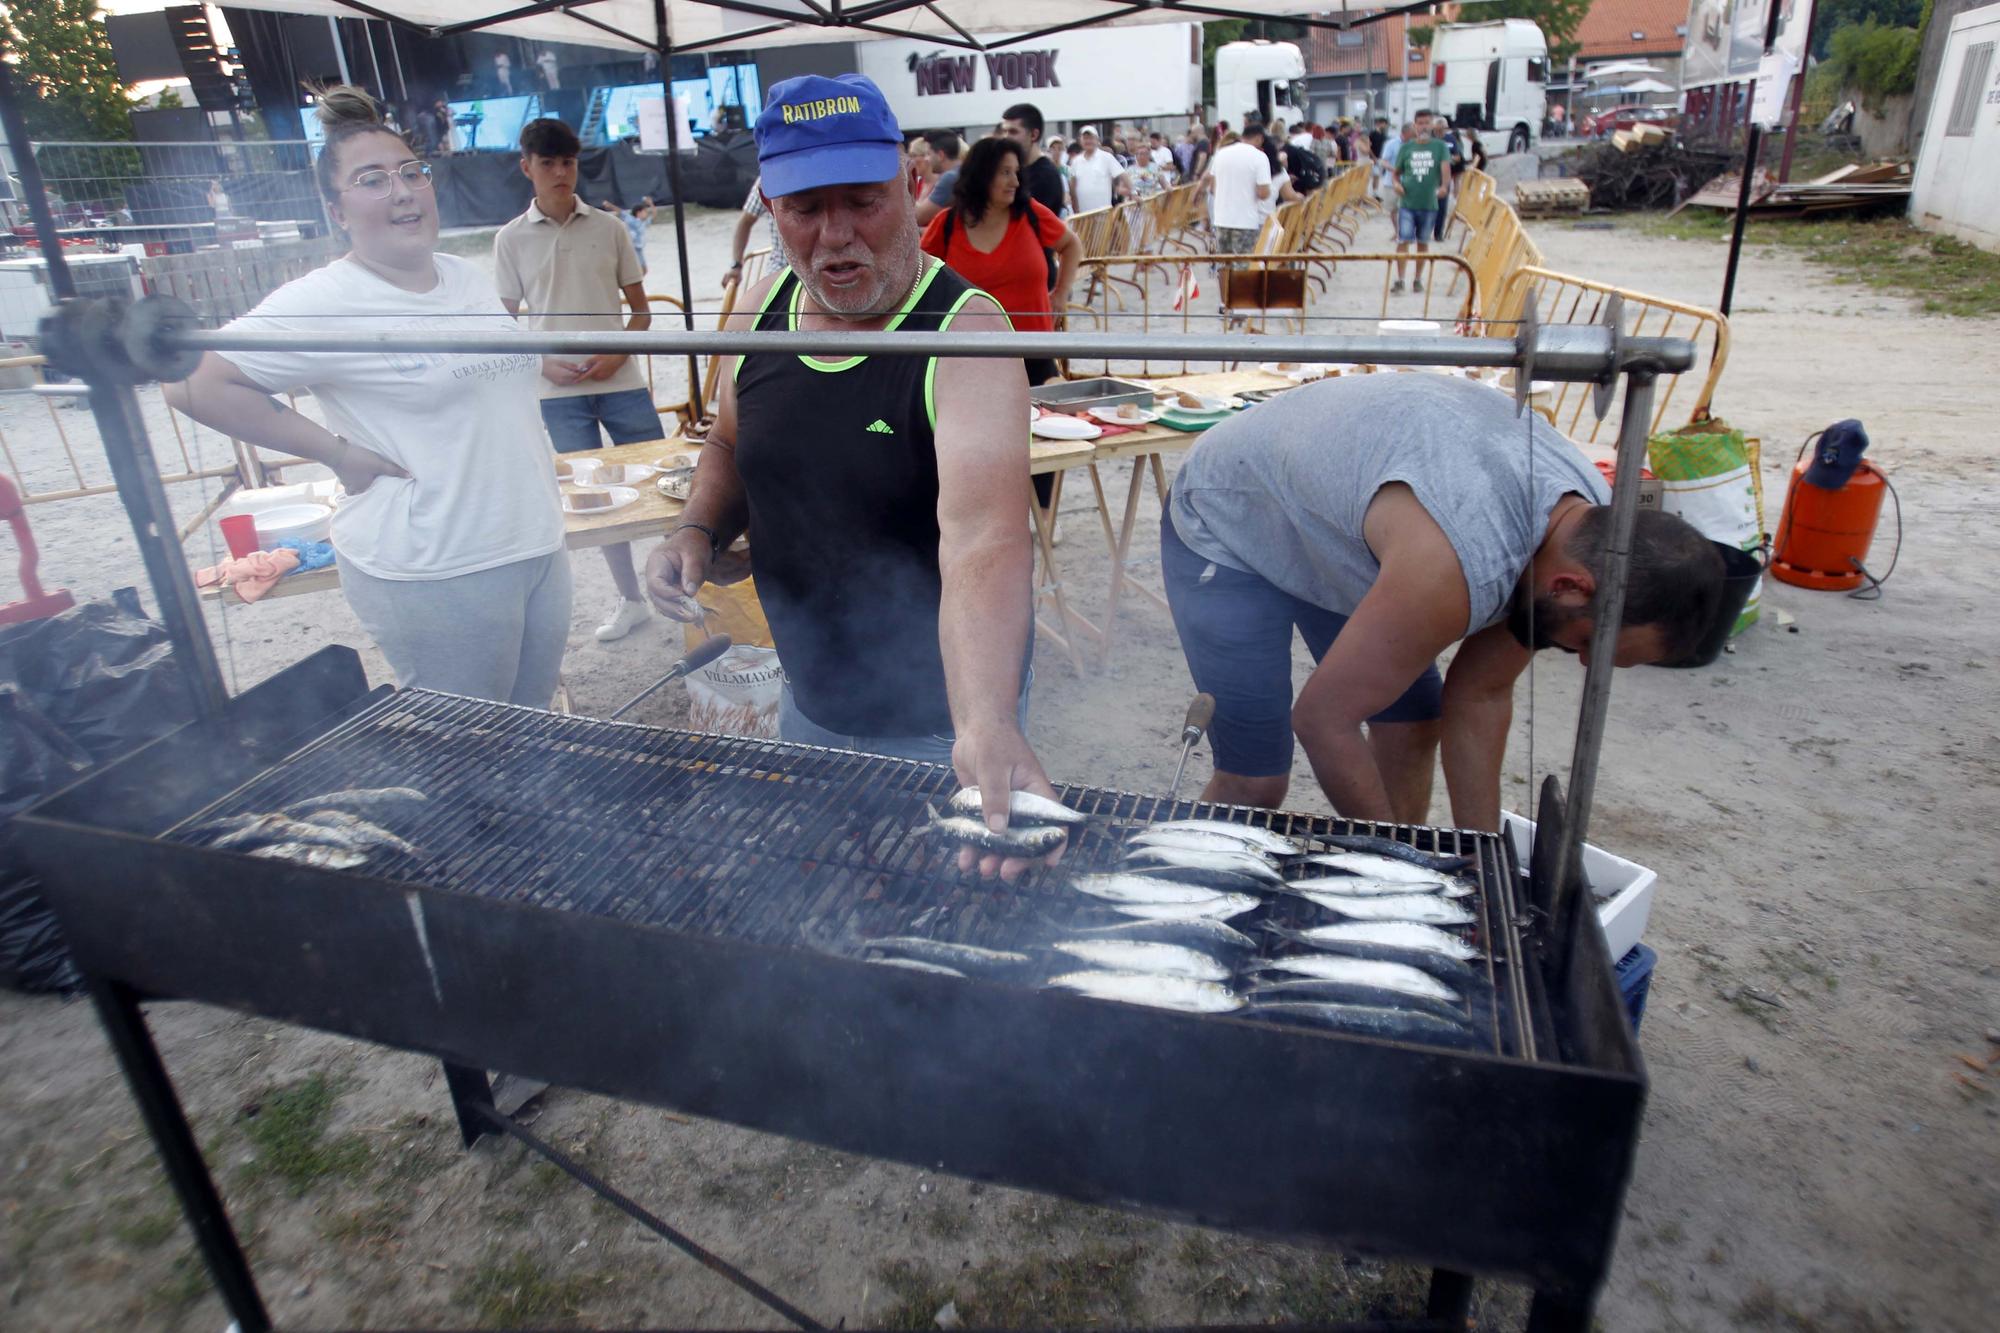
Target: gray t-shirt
1281, 490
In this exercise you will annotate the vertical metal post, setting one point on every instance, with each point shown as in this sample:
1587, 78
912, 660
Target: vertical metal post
471, 1096
666, 46
1632, 431
125, 1026
137, 474
1450, 1300
61, 285
339, 51
1798, 97
1751, 144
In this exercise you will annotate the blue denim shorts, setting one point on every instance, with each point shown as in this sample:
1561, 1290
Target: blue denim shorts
627, 415
1236, 631
1414, 224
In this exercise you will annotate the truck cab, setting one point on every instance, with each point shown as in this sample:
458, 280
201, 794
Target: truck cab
1266, 79
1492, 77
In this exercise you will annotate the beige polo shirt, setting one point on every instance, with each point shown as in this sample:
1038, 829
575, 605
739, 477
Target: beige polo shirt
570, 274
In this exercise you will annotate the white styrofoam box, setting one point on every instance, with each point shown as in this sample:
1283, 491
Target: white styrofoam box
1630, 885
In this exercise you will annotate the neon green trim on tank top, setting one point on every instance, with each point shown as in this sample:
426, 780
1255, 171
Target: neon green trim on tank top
916, 294
762, 306
930, 370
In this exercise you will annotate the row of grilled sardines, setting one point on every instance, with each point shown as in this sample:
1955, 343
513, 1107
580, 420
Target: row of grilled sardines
336, 830
1383, 961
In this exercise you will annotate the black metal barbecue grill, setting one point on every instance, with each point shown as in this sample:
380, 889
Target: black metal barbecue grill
676, 918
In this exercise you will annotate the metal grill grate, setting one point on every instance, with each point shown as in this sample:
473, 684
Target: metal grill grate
779, 844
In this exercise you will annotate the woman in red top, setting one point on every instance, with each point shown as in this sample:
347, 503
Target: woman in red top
993, 236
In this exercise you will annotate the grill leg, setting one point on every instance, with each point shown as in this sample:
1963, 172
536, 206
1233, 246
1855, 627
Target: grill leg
118, 1010
471, 1097
1450, 1299
1553, 1312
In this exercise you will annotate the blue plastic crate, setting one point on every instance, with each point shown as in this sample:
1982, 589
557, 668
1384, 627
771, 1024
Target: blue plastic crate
1635, 978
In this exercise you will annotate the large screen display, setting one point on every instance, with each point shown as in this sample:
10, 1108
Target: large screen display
492, 123
725, 85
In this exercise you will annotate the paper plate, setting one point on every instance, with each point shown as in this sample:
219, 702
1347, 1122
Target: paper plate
1065, 428
1298, 374
1211, 405
1109, 416
622, 474
579, 501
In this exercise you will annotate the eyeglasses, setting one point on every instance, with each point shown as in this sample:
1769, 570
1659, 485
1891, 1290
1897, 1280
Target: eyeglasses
379, 184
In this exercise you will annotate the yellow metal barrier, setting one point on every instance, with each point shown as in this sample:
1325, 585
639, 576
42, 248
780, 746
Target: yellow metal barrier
1158, 280
1561, 298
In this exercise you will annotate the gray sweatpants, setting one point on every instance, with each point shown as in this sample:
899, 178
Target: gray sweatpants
497, 634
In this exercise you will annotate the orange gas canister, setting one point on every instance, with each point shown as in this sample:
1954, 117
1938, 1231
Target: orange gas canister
1824, 535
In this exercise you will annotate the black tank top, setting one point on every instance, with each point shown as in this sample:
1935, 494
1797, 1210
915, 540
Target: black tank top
839, 467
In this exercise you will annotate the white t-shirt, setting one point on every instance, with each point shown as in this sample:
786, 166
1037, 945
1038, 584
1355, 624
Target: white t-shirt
1093, 174
1238, 170
1163, 156
468, 429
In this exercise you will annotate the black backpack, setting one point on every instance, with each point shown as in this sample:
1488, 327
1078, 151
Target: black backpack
1303, 164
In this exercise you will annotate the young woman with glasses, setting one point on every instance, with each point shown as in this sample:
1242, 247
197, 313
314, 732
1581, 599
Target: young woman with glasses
450, 536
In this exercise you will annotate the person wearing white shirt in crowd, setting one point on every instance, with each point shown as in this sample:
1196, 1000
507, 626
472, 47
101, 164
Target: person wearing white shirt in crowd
450, 539
1096, 180
1163, 156
1239, 181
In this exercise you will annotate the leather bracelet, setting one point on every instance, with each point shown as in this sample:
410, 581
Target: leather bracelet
714, 542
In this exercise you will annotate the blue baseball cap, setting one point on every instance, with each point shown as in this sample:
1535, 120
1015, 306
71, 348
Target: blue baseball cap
817, 131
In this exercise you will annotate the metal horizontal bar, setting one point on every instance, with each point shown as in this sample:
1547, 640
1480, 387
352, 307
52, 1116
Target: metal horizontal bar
1571, 353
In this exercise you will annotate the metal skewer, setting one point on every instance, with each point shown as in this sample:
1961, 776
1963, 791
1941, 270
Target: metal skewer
1201, 711
714, 646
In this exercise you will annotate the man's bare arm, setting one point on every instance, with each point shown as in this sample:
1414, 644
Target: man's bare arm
1478, 709
985, 615
1416, 609
682, 562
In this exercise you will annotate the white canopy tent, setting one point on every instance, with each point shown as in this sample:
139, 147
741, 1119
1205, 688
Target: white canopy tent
1619, 69
706, 25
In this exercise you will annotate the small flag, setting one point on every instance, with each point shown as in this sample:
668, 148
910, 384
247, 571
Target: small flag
1190, 288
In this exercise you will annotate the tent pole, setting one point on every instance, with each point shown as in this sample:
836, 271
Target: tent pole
32, 193
666, 49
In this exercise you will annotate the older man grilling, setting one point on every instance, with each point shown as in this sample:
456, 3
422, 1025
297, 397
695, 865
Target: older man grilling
884, 494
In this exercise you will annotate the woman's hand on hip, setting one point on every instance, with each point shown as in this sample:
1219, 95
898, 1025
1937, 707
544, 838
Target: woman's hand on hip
358, 468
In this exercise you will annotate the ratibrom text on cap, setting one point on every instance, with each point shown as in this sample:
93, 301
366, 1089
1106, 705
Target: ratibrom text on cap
825, 106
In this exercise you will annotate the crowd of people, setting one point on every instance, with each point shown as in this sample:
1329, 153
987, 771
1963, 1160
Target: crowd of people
1385, 518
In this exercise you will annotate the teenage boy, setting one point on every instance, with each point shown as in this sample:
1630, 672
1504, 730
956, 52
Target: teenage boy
574, 267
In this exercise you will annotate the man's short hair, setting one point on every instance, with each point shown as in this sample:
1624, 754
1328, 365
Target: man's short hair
1674, 578
945, 142
1030, 117
1251, 127
549, 137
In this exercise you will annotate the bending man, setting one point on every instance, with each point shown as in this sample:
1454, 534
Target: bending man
1389, 517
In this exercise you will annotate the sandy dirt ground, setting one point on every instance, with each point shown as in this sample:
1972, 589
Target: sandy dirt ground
1818, 805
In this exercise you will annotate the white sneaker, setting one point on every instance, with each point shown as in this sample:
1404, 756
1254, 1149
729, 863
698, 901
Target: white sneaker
628, 617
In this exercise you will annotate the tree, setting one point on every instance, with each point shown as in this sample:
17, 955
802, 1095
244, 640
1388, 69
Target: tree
1832, 15
62, 56
1558, 20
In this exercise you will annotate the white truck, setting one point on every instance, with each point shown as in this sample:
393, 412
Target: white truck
1492, 77
1266, 79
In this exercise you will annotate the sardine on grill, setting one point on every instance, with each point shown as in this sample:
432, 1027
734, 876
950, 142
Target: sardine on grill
962, 958
241, 831
360, 799
319, 855
1024, 806
1151, 989
1370, 866
1200, 932
1364, 972
1218, 907
1263, 839
363, 832
1411, 935
1353, 886
1030, 842
1171, 960
1425, 907
1444, 863
1367, 1020
1130, 888
1244, 865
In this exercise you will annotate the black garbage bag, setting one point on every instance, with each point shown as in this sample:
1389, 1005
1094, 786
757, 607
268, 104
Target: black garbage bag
76, 690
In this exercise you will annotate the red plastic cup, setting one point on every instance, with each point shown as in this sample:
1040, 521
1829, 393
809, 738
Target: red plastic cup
240, 531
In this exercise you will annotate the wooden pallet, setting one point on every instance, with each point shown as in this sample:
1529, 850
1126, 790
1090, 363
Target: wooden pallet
1547, 198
